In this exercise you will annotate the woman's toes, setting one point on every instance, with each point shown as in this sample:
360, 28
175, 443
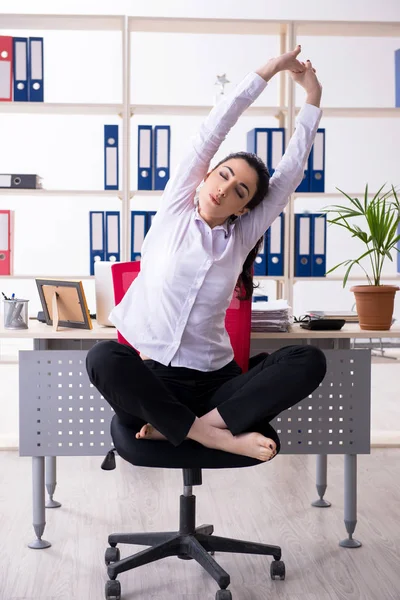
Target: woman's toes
142, 433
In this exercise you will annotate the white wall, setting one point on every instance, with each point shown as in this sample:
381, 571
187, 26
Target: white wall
67, 151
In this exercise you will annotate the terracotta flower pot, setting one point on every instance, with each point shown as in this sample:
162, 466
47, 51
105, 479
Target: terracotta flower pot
375, 304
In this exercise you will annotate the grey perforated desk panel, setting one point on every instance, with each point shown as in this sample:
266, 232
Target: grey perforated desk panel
339, 410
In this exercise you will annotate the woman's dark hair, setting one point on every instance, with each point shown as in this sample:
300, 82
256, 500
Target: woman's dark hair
246, 277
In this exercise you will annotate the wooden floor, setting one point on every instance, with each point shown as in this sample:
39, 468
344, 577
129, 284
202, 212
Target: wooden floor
269, 503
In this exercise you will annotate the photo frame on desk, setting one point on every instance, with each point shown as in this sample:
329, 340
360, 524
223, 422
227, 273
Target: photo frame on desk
64, 303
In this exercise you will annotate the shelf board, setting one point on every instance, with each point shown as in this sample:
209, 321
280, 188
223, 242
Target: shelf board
72, 22
147, 193
69, 193
200, 25
361, 278
331, 195
264, 26
348, 28
59, 108
207, 26
269, 277
356, 111
58, 277
72, 108
6, 359
195, 111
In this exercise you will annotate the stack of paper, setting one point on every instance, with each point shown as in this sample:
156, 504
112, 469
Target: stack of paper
275, 315
349, 315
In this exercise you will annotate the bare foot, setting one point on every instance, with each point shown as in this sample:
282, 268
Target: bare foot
254, 445
148, 432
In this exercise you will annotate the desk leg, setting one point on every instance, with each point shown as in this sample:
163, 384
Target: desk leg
350, 500
51, 481
39, 519
321, 481
51, 467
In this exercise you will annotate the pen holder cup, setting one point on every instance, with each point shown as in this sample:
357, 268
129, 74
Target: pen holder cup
16, 314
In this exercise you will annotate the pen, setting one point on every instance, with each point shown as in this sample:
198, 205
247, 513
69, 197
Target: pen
4, 296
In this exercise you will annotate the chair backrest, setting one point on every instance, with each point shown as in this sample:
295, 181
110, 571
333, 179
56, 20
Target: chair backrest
237, 321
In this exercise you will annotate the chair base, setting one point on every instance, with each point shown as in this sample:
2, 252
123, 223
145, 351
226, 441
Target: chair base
196, 545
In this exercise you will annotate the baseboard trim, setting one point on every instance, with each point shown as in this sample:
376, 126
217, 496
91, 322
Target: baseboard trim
9, 442
385, 439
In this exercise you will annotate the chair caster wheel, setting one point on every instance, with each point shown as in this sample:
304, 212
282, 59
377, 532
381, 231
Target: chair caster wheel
112, 555
212, 553
113, 590
223, 595
278, 570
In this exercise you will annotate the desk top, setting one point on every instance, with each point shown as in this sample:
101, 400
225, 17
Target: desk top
348, 331
42, 331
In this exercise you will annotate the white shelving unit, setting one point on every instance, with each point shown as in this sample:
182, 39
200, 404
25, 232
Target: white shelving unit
286, 32
69, 193
59, 108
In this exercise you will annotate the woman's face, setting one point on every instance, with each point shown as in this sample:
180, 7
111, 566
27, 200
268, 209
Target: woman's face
227, 190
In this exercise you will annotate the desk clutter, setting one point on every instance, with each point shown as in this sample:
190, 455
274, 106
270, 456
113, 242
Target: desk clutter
64, 304
275, 315
15, 312
21, 73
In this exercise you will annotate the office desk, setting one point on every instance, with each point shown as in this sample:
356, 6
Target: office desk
70, 346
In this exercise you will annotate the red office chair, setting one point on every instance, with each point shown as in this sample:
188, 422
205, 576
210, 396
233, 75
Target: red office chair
190, 542
237, 321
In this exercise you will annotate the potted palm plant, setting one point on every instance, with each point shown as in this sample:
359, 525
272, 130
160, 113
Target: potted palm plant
379, 233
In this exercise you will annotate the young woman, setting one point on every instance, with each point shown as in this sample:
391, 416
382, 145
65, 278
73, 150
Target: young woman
185, 382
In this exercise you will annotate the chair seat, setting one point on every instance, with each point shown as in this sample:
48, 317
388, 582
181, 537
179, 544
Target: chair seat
156, 453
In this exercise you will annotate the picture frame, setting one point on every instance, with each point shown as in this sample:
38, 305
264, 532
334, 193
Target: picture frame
64, 303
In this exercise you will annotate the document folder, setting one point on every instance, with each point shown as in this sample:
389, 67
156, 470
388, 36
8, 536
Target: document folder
257, 143
6, 64
5, 242
97, 238
304, 185
20, 69
276, 148
145, 157
275, 247
112, 236
162, 151
302, 245
139, 228
398, 253
260, 263
317, 163
150, 216
25, 182
269, 145
111, 159
318, 242
35, 69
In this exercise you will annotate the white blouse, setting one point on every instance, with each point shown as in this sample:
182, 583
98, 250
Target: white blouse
174, 311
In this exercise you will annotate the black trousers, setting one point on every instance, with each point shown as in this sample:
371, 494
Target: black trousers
170, 398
